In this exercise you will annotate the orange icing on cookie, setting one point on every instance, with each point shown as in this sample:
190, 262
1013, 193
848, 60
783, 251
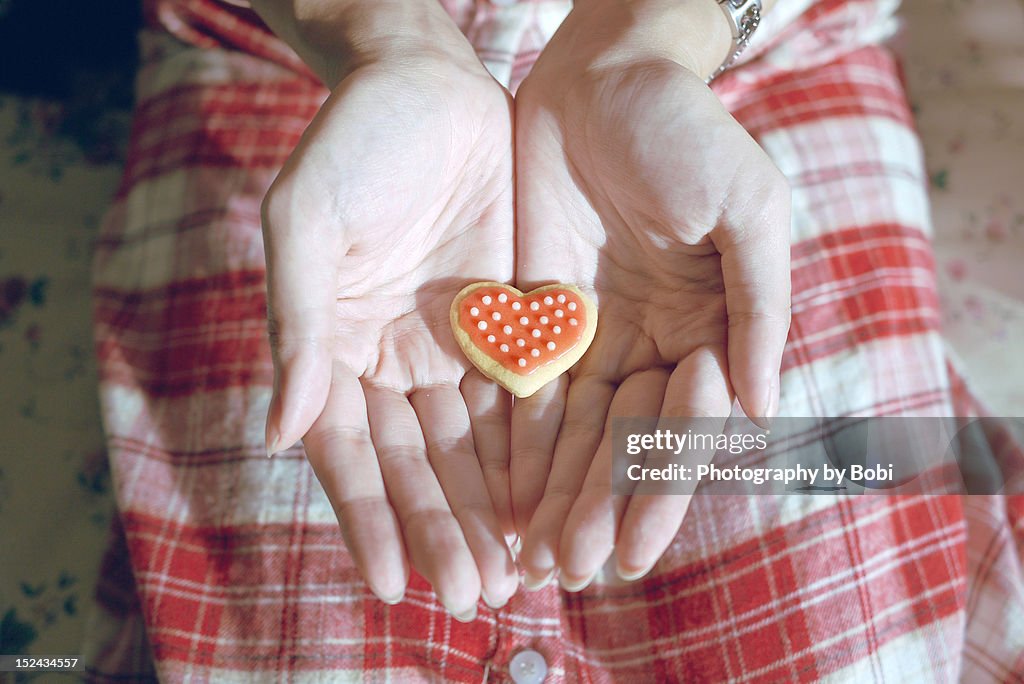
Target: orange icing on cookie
523, 333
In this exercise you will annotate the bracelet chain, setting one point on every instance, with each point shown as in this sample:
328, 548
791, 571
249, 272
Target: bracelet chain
744, 17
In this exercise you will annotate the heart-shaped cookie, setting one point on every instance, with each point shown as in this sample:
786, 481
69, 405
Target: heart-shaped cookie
523, 341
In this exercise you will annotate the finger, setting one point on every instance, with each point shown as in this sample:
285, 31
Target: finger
341, 453
697, 388
589, 534
433, 538
754, 243
534, 429
489, 409
301, 291
451, 450
582, 426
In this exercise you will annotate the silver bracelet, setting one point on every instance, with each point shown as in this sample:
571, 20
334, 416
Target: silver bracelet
744, 17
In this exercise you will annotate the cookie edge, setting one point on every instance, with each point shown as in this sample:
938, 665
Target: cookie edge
523, 386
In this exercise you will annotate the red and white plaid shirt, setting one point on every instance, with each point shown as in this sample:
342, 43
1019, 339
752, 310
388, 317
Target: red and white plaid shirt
229, 567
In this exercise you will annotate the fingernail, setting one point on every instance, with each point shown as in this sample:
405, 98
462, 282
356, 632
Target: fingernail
534, 583
492, 604
772, 405
570, 584
393, 600
465, 616
632, 575
273, 445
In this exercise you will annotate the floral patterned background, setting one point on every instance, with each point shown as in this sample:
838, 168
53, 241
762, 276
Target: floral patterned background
65, 101
59, 166
55, 499
964, 62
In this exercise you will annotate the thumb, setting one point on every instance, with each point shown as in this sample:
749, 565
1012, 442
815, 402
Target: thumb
301, 301
754, 244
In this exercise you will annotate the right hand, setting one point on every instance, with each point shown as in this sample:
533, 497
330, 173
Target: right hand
398, 195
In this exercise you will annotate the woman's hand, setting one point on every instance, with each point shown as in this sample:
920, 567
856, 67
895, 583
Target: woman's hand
634, 183
399, 193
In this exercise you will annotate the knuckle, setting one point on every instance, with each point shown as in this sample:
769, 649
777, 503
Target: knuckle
771, 317
493, 420
472, 509
532, 452
687, 410
494, 468
765, 205
270, 207
396, 454
341, 439
356, 509
414, 523
561, 494
581, 427
457, 449
286, 346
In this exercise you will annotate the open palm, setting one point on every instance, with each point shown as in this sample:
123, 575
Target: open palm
635, 184
399, 193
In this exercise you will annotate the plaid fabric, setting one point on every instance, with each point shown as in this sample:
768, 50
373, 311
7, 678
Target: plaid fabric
239, 568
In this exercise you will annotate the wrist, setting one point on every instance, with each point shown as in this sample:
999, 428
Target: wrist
693, 33
335, 37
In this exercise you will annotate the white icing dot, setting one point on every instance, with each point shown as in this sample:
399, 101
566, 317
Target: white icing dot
549, 301
486, 299
559, 313
557, 329
522, 362
551, 346
521, 342
503, 347
572, 306
507, 329
503, 298
535, 353
496, 316
573, 321
524, 320
474, 311
482, 325
516, 306
561, 299
535, 333
534, 306
490, 338
544, 320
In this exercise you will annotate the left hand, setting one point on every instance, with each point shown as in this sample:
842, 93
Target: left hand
634, 183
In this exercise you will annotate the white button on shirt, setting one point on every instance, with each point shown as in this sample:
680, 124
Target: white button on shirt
528, 667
